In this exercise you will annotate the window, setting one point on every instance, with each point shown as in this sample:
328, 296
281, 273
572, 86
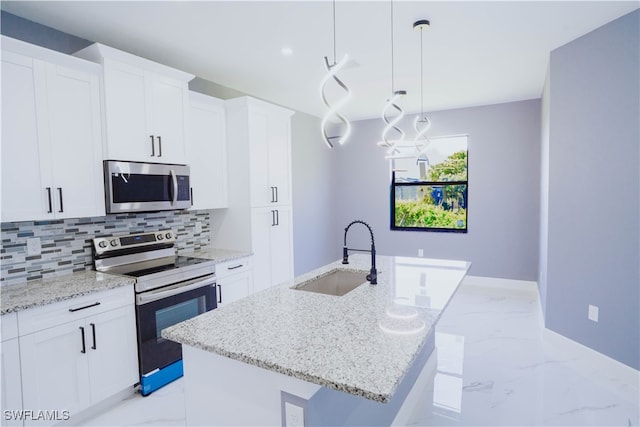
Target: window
429, 193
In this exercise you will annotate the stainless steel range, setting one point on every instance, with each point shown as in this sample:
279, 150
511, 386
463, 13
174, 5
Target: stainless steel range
169, 289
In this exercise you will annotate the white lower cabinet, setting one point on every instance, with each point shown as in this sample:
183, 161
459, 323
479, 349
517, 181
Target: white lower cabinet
11, 385
272, 245
234, 280
87, 352
55, 372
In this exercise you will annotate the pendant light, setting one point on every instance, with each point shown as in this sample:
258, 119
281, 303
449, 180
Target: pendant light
422, 122
392, 104
332, 110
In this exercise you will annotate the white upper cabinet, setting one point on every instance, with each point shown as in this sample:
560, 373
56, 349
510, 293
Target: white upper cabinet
51, 135
207, 152
146, 104
269, 141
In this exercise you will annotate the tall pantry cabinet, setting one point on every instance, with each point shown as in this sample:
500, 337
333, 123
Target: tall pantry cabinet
259, 217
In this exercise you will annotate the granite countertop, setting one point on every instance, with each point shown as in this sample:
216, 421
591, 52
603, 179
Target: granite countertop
362, 343
216, 254
41, 292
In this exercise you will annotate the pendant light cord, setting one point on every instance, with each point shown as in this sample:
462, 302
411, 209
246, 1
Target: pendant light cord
334, 32
421, 77
392, 76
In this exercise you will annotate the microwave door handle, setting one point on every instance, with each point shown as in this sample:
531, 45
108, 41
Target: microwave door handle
174, 180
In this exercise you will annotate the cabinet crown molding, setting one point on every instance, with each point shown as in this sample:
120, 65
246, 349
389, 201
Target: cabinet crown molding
97, 52
248, 101
43, 54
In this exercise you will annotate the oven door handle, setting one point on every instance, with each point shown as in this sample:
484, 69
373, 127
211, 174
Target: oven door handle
147, 297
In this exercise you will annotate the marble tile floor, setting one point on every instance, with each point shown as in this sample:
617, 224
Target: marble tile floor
494, 369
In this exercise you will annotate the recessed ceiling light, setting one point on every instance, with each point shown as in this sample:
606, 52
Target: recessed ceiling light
286, 51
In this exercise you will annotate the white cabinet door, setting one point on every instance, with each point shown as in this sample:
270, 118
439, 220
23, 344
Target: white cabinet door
262, 220
280, 157
25, 185
272, 248
75, 138
262, 193
169, 103
111, 347
281, 246
11, 382
207, 152
233, 288
145, 114
270, 156
54, 368
51, 141
126, 90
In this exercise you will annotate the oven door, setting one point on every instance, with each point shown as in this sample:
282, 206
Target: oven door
160, 308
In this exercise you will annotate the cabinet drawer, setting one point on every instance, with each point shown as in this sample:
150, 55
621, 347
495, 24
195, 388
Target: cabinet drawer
9, 324
228, 268
40, 318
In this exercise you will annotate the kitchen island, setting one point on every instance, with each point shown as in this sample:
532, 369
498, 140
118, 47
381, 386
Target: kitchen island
287, 356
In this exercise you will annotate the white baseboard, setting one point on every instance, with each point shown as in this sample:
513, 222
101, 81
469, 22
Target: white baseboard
495, 282
600, 367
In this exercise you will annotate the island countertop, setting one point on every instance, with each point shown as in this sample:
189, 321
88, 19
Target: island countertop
362, 343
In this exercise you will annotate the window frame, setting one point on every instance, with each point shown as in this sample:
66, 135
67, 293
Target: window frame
392, 200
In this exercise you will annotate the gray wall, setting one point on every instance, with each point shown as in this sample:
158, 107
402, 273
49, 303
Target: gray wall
504, 182
594, 190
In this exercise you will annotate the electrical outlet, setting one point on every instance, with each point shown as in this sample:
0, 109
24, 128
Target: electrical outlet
420, 252
593, 312
294, 415
33, 246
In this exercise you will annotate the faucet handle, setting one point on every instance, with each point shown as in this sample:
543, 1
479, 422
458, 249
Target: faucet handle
345, 255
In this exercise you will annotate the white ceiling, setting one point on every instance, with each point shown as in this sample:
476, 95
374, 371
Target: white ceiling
475, 52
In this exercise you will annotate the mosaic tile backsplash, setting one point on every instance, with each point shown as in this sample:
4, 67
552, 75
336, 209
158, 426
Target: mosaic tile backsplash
67, 243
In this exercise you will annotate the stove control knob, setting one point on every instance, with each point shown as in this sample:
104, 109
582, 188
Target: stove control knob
114, 242
103, 244
160, 236
168, 235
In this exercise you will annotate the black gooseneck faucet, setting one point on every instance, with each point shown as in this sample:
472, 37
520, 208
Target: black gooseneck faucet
373, 274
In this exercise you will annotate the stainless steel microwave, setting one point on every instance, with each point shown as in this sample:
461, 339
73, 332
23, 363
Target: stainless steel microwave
145, 187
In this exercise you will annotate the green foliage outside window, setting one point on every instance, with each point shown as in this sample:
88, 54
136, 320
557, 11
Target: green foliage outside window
439, 203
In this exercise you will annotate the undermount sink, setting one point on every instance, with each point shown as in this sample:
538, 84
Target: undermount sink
336, 282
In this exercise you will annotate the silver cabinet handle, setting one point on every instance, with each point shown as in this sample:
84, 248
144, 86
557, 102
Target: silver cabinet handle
153, 147
84, 348
72, 310
159, 146
219, 294
234, 267
49, 197
61, 205
93, 333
